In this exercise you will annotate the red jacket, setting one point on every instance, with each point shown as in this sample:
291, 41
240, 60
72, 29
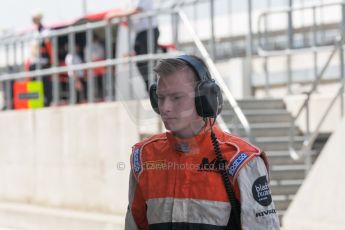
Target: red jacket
175, 184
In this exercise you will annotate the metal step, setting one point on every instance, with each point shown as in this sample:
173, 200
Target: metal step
284, 190
277, 143
287, 172
285, 187
265, 129
284, 158
259, 116
258, 104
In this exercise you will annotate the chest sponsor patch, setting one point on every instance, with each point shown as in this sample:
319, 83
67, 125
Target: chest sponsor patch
136, 160
236, 163
261, 191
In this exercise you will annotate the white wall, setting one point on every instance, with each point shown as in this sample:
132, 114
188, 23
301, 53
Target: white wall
319, 203
65, 160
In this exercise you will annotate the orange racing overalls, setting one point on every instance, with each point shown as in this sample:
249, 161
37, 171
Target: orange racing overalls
175, 184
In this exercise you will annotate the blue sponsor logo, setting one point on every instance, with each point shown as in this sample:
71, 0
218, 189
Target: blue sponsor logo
234, 166
136, 161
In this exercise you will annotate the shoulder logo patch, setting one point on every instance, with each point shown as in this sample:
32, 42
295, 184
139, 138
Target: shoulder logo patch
261, 191
136, 160
236, 163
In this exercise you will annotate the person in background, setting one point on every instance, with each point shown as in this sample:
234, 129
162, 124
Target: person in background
41, 54
142, 30
78, 75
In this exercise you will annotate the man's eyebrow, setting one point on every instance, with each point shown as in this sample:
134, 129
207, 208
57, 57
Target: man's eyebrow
171, 94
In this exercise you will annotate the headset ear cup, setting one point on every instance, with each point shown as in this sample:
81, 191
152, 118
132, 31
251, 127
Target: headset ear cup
208, 99
219, 100
198, 103
154, 98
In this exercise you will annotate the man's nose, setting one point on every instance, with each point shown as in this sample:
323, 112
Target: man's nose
165, 105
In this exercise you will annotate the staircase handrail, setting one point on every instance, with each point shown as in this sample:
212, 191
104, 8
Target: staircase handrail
309, 140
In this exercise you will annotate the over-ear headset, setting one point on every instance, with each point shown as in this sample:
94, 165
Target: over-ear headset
208, 97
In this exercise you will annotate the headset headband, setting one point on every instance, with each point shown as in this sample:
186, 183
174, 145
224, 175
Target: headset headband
198, 67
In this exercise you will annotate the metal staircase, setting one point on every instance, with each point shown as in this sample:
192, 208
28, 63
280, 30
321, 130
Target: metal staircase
270, 124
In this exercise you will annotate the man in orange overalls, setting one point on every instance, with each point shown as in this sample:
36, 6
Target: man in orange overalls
176, 178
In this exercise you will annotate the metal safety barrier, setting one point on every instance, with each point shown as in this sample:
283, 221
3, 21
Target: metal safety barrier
110, 61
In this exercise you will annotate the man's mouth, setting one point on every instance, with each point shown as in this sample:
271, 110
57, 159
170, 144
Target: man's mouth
168, 118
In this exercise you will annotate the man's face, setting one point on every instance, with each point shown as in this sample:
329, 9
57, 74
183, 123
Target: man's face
176, 103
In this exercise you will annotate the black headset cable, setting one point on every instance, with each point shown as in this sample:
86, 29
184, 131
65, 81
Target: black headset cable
235, 215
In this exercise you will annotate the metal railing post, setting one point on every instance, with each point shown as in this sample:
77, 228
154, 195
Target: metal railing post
342, 76
130, 63
15, 57
314, 41
55, 78
213, 39
71, 75
342, 29
195, 20
90, 75
265, 31
150, 44
307, 118
8, 85
267, 83
230, 25
39, 58
290, 46
22, 53
289, 72
307, 160
341, 52
249, 48
292, 151
290, 26
175, 28
109, 79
